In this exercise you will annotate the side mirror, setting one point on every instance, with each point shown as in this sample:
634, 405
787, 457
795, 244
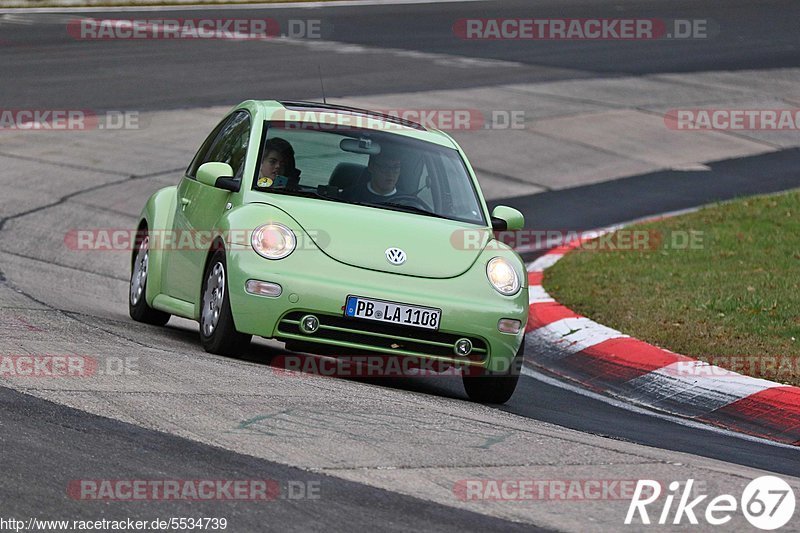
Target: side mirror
506, 218
218, 175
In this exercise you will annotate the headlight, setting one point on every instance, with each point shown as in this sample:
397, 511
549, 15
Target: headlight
273, 241
502, 276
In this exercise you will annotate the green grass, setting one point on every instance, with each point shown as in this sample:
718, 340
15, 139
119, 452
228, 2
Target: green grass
737, 294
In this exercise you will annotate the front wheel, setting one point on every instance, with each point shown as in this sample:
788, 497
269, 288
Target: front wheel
137, 303
495, 387
217, 331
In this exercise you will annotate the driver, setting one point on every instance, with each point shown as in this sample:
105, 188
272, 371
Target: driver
378, 183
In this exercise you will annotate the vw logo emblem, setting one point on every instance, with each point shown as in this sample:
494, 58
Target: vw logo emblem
395, 256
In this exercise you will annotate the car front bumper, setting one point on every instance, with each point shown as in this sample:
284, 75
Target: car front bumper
313, 283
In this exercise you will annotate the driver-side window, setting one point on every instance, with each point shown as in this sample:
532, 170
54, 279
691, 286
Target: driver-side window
226, 144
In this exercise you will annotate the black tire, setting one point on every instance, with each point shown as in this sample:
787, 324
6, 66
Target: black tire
494, 387
137, 287
220, 338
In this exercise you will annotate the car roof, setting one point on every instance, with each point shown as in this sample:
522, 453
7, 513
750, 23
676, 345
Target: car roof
333, 114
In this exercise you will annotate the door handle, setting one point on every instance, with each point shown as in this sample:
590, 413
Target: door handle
184, 203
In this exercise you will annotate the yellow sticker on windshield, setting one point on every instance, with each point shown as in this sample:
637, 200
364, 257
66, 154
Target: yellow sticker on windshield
264, 181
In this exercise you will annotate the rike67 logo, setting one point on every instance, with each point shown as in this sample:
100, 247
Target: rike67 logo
767, 502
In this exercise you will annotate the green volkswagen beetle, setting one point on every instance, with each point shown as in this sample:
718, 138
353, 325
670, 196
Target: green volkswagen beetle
336, 230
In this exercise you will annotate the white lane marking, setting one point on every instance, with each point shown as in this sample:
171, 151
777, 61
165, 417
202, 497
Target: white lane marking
23, 19
698, 387
572, 335
227, 7
627, 406
544, 262
537, 295
445, 60
17, 19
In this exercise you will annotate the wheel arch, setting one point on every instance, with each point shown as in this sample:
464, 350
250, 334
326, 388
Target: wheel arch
217, 245
156, 216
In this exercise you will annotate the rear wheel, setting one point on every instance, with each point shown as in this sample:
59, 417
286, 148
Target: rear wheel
137, 301
217, 331
495, 387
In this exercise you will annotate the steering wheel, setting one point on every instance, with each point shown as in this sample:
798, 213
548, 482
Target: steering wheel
411, 200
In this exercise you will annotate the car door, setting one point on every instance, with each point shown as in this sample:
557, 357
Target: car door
199, 206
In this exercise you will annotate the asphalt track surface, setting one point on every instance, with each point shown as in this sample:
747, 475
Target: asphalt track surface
51, 433
43, 66
48, 65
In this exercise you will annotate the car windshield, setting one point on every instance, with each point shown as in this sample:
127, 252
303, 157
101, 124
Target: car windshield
367, 167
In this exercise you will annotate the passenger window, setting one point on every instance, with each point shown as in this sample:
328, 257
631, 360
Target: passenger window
226, 144
200, 156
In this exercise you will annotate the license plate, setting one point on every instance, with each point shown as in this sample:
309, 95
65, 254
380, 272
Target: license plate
392, 312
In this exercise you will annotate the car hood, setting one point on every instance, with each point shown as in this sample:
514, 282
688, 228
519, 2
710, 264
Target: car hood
360, 236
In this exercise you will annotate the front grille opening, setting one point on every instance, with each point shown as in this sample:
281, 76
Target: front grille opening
388, 337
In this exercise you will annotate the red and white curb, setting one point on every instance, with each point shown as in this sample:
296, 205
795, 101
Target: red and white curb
562, 343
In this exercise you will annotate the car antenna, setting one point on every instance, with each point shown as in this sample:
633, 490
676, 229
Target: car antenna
324, 100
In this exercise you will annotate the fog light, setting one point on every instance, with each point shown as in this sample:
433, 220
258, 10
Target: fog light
463, 347
263, 288
507, 325
309, 324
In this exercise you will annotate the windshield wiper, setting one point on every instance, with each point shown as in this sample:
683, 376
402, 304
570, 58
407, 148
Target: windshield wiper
313, 193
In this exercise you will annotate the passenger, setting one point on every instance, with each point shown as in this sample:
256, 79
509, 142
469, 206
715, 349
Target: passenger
378, 183
278, 161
